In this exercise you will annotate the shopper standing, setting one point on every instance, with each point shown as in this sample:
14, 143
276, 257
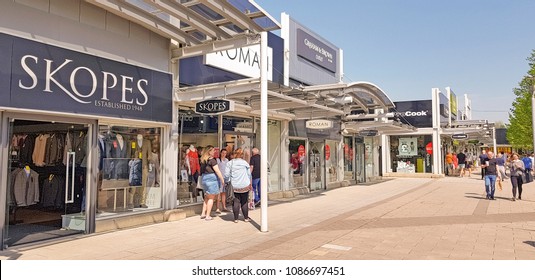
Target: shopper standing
461, 157
222, 197
517, 169
212, 179
255, 171
238, 174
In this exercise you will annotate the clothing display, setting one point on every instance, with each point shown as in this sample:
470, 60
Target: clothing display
25, 187
135, 174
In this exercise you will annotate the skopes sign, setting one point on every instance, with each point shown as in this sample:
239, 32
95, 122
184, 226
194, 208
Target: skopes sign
49, 78
460, 136
369, 132
244, 61
319, 124
214, 106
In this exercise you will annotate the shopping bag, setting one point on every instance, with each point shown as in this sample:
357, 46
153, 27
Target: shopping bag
500, 187
251, 200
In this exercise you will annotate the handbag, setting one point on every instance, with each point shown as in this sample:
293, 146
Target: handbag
230, 193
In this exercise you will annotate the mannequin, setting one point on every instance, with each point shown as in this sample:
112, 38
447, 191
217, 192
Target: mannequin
194, 169
141, 150
153, 179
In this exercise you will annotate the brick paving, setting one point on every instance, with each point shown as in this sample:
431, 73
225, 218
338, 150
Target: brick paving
399, 219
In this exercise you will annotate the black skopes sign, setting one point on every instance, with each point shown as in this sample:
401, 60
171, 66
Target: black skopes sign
369, 132
459, 136
214, 106
38, 76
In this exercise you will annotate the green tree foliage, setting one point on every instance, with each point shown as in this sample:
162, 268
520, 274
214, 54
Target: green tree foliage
520, 129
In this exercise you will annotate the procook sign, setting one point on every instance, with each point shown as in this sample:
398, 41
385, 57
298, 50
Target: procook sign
43, 77
214, 106
319, 124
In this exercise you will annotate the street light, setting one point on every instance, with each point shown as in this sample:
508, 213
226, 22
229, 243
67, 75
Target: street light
533, 109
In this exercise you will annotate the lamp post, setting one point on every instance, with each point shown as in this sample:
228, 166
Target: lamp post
533, 109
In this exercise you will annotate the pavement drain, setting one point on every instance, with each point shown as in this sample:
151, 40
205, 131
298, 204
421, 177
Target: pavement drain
336, 247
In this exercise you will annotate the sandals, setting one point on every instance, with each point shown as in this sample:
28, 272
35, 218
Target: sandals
218, 211
208, 218
202, 217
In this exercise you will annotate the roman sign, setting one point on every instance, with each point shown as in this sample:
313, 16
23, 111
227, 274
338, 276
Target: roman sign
45, 77
319, 124
315, 51
244, 61
214, 106
460, 136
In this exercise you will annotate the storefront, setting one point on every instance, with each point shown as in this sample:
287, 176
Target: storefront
82, 140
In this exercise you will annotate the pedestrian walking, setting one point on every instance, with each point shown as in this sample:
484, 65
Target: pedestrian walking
500, 161
255, 171
517, 170
449, 164
491, 174
212, 179
527, 165
238, 174
461, 157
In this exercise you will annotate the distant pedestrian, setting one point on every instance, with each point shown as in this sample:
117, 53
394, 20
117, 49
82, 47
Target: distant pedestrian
222, 197
500, 161
255, 171
449, 164
491, 174
212, 179
528, 166
517, 170
238, 174
461, 157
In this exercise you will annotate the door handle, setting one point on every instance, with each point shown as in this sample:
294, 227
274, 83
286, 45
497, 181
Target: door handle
69, 170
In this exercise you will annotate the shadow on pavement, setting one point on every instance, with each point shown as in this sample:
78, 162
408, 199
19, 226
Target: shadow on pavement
531, 243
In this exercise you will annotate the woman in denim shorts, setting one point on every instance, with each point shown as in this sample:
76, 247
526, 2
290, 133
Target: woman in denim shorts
212, 181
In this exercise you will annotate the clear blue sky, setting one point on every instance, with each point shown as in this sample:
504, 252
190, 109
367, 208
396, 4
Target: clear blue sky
407, 47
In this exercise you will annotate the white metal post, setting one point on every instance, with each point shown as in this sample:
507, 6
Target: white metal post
533, 112
264, 131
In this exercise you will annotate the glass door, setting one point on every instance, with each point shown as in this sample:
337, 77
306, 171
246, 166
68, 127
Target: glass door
316, 165
46, 181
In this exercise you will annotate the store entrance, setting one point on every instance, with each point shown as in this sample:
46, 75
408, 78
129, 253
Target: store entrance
243, 140
361, 155
316, 165
46, 181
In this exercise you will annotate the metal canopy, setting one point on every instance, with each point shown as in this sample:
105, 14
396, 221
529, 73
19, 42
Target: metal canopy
481, 130
194, 22
299, 103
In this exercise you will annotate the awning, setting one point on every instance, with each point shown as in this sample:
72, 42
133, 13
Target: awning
196, 26
481, 130
326, 101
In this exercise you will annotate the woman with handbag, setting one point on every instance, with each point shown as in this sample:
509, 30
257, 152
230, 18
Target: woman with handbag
517, 171
212, 181
238, 173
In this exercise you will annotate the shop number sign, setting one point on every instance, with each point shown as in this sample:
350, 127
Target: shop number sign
327, 152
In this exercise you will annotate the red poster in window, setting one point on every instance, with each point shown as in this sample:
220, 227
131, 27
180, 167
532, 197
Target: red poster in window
301, 151
327, 152
429, 148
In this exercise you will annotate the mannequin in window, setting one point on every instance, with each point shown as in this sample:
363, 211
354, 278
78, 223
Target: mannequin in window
194, 169
141, 150
153, 179
102, 154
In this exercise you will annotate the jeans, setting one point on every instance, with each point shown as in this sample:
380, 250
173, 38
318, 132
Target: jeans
256, 189
490, 185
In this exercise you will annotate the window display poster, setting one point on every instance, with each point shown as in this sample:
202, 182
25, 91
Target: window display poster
408, 146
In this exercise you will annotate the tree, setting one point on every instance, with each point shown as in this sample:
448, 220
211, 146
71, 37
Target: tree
520, 129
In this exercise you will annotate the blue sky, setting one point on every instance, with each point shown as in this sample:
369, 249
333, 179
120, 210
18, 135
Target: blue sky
407, 47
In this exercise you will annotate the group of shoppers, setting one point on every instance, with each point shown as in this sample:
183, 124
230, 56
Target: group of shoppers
494, 168
229, 171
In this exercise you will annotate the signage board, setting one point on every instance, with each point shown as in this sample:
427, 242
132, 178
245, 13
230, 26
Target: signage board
429, 148
473, 141
459, 136
39, 76
214, 106
244, 61
368, 132
315, 51
319, 124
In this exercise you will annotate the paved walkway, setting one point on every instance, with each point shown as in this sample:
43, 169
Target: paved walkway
404, 218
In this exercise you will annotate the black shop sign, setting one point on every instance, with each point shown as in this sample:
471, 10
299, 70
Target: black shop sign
214, 106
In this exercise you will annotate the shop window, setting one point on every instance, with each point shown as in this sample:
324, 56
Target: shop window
129, 169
